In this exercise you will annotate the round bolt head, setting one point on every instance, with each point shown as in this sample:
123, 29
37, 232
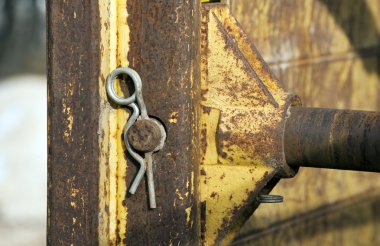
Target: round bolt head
145, 135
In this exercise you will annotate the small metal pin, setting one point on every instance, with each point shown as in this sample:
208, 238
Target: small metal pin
270, 198
139, 113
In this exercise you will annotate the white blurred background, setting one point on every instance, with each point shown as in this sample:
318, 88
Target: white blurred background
23, 123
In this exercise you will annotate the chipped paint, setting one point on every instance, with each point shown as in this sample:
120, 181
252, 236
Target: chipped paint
70, 120
173, 117
74, 192
180, 197
122, 116
107, 127
188, 211
164, 50
114, 46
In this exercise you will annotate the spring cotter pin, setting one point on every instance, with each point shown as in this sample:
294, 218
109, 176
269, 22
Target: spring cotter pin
139, 113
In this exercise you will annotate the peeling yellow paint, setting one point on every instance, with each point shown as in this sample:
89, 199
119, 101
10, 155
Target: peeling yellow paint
179, 194
173, 117
107, 127
74, 192
114, 46
122, 118
192, 183
188, 212
70, 120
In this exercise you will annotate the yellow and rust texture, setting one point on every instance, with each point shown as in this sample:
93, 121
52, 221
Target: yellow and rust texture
327, 52
160, 41
89, 171
164, 41
73, 32
112, 165
243, 110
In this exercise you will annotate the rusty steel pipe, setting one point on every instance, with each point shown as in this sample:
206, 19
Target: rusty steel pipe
332, 138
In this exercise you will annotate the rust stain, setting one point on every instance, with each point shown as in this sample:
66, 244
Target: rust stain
73, 158
164, 51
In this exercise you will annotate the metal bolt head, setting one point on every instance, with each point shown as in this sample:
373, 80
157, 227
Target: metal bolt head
146, 135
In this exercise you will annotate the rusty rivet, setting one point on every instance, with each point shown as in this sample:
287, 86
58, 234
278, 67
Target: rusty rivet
145, 135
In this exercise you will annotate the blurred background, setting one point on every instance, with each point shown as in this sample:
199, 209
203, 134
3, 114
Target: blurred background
23, 124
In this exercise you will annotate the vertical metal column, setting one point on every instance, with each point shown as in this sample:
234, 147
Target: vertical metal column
73, 33
164, 49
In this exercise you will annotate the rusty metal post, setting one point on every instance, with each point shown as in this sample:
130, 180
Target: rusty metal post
73, 122
88, 168
332, 138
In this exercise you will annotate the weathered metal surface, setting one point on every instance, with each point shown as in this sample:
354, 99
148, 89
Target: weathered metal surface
327, 52
73, 30
163, 41
145, 135
112, 166
331, 138
240, 158
239, 155
160, 41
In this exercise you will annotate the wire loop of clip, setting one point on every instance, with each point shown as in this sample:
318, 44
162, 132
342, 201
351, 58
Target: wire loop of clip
138, 110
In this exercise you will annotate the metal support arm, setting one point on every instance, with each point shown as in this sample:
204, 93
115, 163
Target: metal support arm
332, 138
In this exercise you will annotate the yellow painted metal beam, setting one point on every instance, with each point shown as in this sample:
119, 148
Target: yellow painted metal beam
112, 187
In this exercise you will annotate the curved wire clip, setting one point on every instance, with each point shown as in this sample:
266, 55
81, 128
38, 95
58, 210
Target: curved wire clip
139, 109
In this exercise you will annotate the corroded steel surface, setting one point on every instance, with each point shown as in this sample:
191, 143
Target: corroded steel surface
239, 158
243, 111
233, 128
164, 51
331, 138
73, 110
159, 39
